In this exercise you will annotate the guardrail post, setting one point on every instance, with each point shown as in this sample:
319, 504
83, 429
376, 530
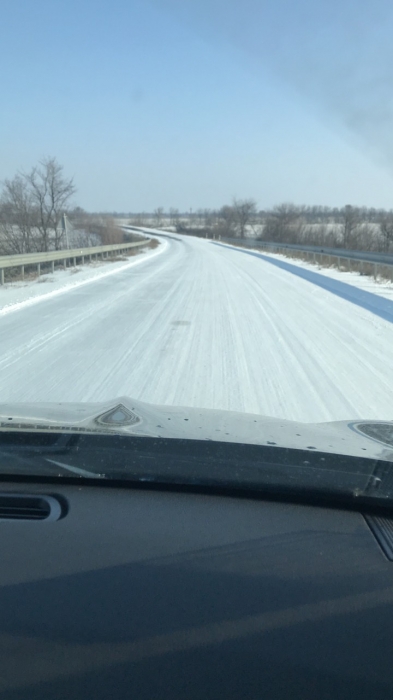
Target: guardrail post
83, 259
375, 271
74, 262
89, 258
53, 266
65, 263
39, 269
1, 276
22, 271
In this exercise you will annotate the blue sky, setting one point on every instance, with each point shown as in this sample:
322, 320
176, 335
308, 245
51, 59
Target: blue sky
188, 103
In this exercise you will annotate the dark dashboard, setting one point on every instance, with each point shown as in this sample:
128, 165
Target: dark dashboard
143, 593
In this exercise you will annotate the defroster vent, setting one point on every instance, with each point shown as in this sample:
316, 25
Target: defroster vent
15, 506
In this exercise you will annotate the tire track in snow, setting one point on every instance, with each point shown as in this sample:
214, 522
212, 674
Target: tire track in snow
203, 326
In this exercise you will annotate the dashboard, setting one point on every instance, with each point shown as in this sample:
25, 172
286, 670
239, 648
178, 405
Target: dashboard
147, 593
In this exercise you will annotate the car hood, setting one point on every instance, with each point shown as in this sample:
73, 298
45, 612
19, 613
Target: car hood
366, 438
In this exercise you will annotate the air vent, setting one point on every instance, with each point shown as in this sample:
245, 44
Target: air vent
29, 507
382, 529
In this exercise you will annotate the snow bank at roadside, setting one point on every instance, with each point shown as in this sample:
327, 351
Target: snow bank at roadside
381, 288
17, 295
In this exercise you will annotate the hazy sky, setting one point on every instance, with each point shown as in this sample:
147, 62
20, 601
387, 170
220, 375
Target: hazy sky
187, 103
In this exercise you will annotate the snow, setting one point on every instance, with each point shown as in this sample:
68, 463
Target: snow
17, 295
380, 287
200, 324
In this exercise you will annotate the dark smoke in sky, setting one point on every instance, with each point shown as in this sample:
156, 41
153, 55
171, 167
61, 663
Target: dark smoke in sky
338, 55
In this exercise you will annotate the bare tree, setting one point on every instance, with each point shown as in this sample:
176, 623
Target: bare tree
32, 205
366, 236
226, 221
83, 228
16, 217
210, 218
50, 194
386, 228
200, 217
245, 213
174, 216
158, 216
138, 219
284, 223
350, 221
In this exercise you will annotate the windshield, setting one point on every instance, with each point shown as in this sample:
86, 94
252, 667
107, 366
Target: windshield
196, 213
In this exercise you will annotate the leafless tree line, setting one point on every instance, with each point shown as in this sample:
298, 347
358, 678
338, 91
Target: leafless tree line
349, 227
230, 220
33, 203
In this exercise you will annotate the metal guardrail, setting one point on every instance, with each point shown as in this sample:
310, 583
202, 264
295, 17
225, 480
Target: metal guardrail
74, 254
373, 264
382, 258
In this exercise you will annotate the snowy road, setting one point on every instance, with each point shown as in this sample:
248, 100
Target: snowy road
203, 325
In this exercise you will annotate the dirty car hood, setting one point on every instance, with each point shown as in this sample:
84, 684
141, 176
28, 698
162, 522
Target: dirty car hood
125, 416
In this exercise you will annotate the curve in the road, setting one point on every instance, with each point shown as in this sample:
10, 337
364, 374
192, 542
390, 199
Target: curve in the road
202, 326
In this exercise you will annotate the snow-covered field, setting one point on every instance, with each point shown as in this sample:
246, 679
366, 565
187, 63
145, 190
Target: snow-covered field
196, 323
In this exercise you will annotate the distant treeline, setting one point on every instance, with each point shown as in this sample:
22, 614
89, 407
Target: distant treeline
35, 207
350, 227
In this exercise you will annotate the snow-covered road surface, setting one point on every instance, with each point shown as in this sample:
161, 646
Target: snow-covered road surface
207, 326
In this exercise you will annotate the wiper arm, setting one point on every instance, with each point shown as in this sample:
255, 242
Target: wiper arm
76, 470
